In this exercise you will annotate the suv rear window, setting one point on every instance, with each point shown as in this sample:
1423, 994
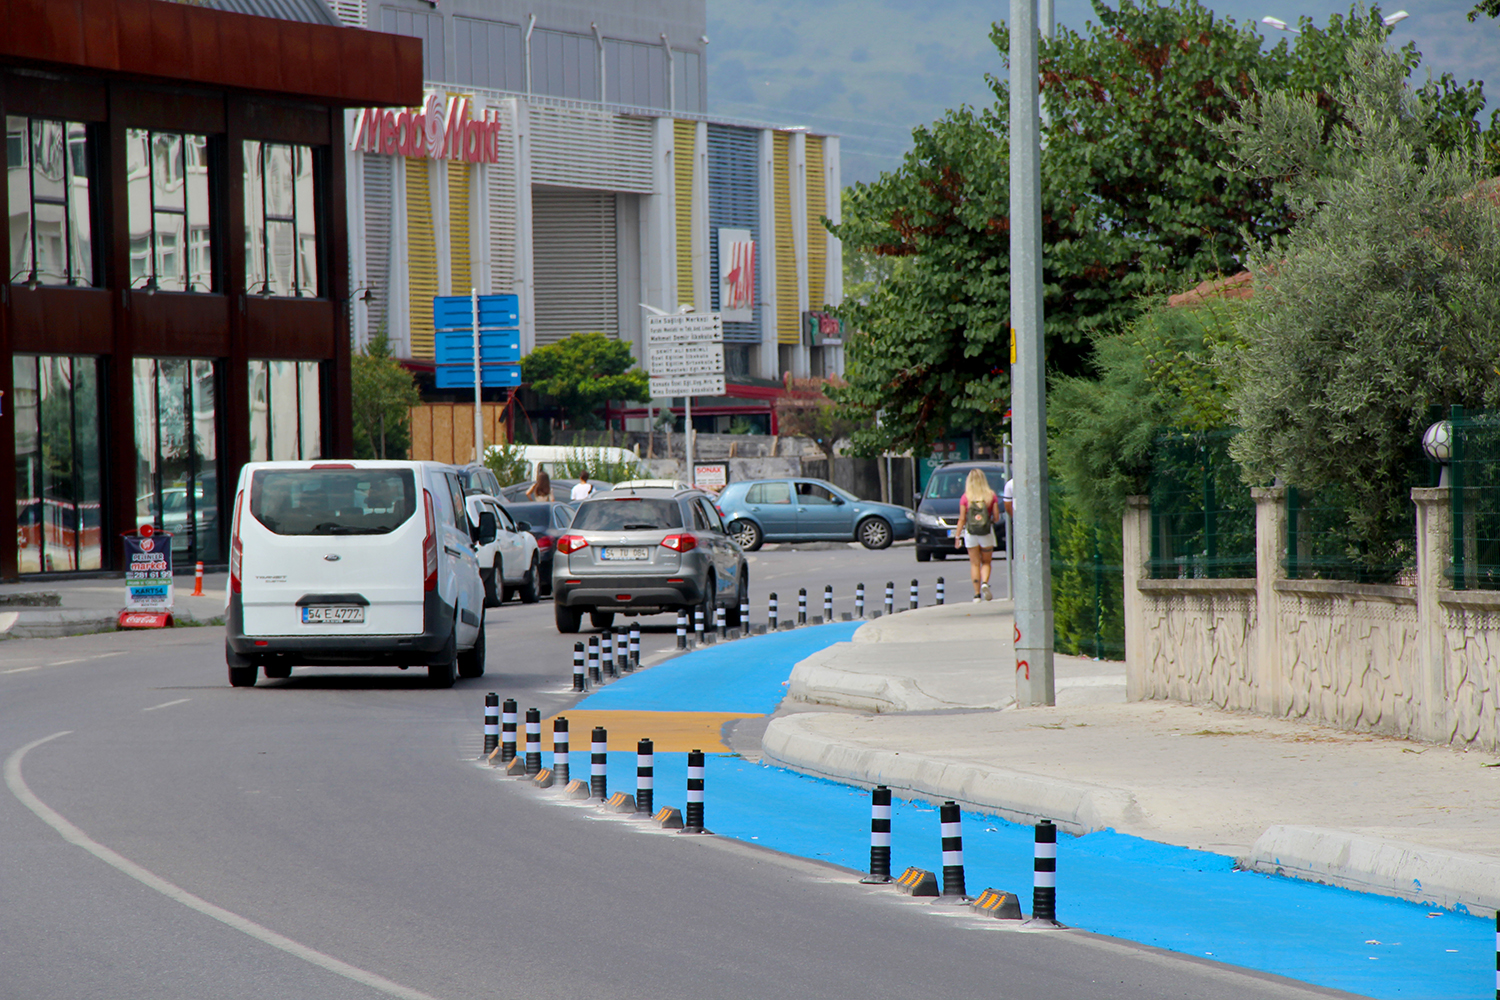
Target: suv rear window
948, 484
333, 501
627, 514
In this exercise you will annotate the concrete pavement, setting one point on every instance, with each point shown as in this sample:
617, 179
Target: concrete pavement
924, 702
39, 609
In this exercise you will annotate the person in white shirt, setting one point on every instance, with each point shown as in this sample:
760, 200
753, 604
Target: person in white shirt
583, 489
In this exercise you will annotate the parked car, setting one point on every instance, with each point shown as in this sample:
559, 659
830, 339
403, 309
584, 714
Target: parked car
937, 511
507, 553
809, 510
478, 478
561, 488
645, 552
547, 522
363, 562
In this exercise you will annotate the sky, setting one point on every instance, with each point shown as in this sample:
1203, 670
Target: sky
872, 70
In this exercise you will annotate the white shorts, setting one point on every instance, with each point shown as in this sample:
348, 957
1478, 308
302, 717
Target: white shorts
984, 541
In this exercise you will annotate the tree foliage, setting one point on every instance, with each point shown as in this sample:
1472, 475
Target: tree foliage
1138, 196
809, 413
583, 372
383, 394
1382, 302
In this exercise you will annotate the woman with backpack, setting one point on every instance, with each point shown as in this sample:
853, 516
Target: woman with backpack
978, 512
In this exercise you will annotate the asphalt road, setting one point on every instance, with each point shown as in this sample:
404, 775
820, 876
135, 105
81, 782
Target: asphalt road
332, 836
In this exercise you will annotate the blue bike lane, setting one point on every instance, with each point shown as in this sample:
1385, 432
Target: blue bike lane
1168, 897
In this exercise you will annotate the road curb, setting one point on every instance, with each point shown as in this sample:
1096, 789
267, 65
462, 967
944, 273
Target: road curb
790, 741
1426, 875
821, 679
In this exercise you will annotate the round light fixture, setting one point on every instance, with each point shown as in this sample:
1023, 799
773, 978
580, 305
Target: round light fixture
1437, 441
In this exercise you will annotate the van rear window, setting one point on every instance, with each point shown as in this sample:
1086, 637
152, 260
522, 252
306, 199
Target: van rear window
333, 501
627, 514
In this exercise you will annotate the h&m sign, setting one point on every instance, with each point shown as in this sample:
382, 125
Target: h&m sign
435, 131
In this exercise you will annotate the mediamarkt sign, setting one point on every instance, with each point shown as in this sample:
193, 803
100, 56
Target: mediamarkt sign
434, 131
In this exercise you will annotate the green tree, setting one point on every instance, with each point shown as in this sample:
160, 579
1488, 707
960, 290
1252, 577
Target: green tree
1138, 197
811, 414
1383, 301
383, 394
582, 373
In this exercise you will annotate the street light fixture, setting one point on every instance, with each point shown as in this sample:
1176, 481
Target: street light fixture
1389, 20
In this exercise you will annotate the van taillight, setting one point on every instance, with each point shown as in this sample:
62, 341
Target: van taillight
569, 544
236, 550
429, 546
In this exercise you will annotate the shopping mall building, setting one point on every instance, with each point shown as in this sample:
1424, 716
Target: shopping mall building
208, 208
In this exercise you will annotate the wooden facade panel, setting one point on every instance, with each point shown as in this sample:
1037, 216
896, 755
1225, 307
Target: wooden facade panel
171, 49
61, 321
171, 110
442, 434
282, 122
72, 99
290, 329
179, 325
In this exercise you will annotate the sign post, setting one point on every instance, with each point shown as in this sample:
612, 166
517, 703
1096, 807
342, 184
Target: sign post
476, 340
148, 579
685, 357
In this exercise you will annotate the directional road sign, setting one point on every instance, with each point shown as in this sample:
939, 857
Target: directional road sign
456, 312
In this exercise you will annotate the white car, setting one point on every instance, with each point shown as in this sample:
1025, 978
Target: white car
362, 562
508, 560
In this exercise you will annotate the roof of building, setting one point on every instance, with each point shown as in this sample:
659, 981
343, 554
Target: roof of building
307, 11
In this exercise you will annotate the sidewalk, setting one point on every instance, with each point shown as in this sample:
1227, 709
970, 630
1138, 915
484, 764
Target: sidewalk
924, 702
41, 609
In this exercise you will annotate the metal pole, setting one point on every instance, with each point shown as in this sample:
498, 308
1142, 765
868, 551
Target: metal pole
687, 428
478, 425
1033, 570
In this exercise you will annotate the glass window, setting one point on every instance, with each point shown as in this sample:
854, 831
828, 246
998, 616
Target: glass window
177, 456
281, 220
811, 494
58, 476
167, 184
286, 415
769, 493
333, 502
48, 180
627, 514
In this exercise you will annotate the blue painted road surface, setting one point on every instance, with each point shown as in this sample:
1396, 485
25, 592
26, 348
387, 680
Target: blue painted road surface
1168, 897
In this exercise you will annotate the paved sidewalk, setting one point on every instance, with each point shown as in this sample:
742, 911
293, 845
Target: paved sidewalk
39, 609
924, 702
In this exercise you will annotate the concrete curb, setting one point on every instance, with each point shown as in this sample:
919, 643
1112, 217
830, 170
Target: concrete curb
1374, 864
56, 623
1076, 807
822, 679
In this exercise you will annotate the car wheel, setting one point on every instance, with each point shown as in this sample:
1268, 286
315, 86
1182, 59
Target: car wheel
601, 619
747, 534
568, 619
242, 669
471, 662
531, 590
874, 533
440, 673
732, 616
710, 601
494, 587
924, 556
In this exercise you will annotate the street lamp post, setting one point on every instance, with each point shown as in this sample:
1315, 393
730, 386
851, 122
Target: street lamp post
1389, 20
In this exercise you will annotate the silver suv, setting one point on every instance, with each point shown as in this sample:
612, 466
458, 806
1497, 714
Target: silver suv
645, 551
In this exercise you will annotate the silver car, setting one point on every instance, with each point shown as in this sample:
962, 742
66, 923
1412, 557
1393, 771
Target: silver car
646, 551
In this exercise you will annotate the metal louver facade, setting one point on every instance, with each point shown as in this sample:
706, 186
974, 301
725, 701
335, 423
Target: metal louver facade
733, 203
378, 219
581, 148
576, 273
788, 320
421, 259
460, 269
684, 139
500, 191
817, 236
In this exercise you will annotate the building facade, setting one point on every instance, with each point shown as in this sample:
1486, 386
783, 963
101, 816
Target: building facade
561, 153
176, 298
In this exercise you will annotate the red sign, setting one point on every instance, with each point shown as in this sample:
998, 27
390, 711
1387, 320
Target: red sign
145, 619
434, 131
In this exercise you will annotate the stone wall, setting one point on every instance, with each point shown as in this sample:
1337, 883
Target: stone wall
1419, 661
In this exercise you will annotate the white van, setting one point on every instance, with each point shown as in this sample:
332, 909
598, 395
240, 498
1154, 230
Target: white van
362, 562
554, 458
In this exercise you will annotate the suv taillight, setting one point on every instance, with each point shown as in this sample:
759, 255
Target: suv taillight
679, 543
429, 546
236, 550
568, 544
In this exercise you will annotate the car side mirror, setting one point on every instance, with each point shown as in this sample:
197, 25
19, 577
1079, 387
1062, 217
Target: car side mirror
488, 527
523, 525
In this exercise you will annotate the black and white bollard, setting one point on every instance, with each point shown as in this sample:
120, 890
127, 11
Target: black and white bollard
828, 602
771, 609
693, 817
508, 731
953, 851
533, 741
745, 613
491, 722
941, 595
880, 836
801, 605
645, 771
599, 750
594, 676
560, 750
1044, 875
622, 653
859, 600
607, 652
721, 622
578, 675
890, 598
915, 596
635, 646
698, 626
682, 630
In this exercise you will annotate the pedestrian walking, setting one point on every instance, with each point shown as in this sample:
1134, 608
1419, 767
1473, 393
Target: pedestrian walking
541, 490
583, 489
978, 512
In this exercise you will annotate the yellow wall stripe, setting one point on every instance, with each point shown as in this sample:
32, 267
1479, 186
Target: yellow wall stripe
817, 236
684, 157
458, 228
788, 323
421, 258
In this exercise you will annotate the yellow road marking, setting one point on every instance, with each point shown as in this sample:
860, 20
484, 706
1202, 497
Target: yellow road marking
669, 732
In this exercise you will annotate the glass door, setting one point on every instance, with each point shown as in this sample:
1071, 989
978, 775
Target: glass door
177, 455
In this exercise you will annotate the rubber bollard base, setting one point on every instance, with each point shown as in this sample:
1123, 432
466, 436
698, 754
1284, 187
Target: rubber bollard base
620, 802
997, 904
577, 789
1033, 924
668, 818
543, 778
516, 768
917, 882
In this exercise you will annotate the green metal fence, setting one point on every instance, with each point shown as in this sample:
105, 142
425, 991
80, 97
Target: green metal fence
1088, 583
1202, 516
1322, 542
1474, 481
